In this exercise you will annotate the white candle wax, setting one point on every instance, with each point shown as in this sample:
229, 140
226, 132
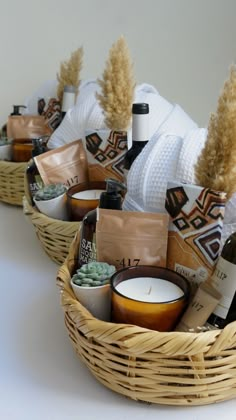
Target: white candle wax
149, 289
88, 194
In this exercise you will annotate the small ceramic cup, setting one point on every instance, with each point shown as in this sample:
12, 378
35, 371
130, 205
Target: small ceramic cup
6, 152
54, 208
96, 299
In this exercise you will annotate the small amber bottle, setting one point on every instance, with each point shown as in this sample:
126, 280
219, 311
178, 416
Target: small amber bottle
110, 199
32, 174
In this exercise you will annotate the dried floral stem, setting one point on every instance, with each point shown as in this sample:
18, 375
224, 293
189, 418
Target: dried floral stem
117, 87
216, 166
69, 73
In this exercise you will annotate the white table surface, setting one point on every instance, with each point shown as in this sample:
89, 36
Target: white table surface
40, 375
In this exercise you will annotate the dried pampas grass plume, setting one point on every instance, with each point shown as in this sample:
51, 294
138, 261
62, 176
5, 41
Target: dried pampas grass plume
69, 73
117, 87
216, 166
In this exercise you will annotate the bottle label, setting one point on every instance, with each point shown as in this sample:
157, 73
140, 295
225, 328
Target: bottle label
37, 185
224, 280
87, 251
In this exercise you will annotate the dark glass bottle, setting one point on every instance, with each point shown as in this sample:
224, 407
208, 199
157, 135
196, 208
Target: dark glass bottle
32, 174
110, 199
68, 100
140, 133
224, 280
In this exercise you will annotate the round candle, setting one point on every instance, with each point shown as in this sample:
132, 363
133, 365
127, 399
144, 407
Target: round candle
148, 296
149, 289
88, 194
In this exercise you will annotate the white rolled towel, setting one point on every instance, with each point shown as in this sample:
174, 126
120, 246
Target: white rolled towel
166, 157
87, 113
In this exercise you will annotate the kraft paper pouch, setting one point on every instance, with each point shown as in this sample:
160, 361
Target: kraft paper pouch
27, 127
66, 164
194, 236
105, 151
131, 238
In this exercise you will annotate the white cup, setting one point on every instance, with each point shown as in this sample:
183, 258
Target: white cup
54, 208
6, 152
96, 299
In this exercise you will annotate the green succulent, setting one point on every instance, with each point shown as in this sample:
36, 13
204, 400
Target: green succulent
50, 191
93, 274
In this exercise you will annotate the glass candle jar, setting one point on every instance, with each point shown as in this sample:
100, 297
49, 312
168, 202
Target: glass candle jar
83, 197
22, 150
149, 296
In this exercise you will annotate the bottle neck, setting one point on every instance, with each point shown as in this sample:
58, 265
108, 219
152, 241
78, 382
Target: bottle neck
68, 102
38, 151
140, 127
139, 144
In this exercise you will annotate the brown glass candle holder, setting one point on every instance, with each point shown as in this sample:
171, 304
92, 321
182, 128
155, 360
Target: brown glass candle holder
79, 205
149, 296
22, 150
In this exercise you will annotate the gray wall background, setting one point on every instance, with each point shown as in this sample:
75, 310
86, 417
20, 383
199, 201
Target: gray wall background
183, 47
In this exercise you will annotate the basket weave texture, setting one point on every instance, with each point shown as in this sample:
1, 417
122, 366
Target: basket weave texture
173, 368
12, 182
55, 235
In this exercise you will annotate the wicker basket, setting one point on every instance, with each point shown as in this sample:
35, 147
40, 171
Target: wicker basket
171, 368
12, 182
55, 235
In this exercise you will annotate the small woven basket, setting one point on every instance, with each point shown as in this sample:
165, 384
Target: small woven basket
171, 368
12, 182
55, 235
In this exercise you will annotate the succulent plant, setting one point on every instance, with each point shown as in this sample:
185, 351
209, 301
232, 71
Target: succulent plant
50, 191
93, 274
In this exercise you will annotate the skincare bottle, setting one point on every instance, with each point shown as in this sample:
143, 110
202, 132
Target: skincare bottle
110, 199
32, 174
224, 280
140, 133
68, 100
16, 109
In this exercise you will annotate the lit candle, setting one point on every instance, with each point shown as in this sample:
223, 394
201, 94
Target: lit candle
88, 194
149, 289
148, 296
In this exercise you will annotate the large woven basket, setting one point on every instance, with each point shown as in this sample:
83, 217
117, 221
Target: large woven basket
55, 235
12, 182
172, 368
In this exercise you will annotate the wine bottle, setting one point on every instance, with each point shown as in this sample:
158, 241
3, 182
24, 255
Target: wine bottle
224, 280
68, 100
140, 133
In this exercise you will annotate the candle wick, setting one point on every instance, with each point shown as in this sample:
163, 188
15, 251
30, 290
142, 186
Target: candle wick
149, 291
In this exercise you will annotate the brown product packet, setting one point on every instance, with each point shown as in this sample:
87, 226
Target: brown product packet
106, 150
27, 127
125, 238
196, 219
66, 164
